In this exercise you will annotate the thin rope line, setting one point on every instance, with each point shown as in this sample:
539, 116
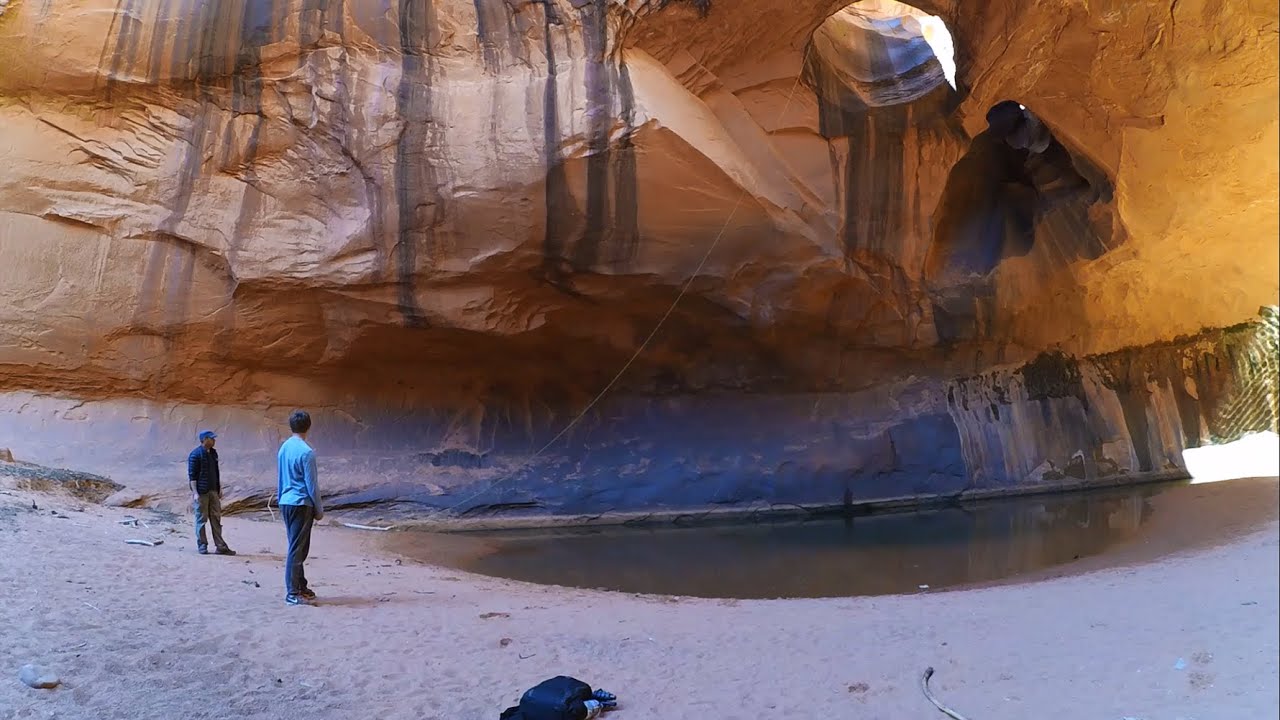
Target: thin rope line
684, 289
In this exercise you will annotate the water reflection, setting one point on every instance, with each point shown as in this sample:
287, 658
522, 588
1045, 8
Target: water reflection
869, 555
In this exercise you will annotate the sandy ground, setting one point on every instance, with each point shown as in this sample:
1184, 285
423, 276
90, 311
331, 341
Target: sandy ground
160, 632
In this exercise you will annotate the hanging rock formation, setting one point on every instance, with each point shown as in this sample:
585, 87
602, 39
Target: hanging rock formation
445, 226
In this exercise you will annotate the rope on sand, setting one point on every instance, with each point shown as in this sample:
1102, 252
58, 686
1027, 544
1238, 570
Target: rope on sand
924, 685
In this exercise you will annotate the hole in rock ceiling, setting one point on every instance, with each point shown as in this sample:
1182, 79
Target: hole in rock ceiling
886, 52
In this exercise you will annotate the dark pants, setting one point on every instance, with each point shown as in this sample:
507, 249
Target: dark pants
297, 523
208, 509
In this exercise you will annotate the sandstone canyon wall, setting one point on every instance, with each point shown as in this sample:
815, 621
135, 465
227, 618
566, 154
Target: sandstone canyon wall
445, 226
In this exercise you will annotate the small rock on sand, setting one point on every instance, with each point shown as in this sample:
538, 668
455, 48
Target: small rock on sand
37, 677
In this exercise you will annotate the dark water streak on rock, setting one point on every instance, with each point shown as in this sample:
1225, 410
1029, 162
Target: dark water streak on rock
599, 116
626, 200
315, 18
879, 203
560, 209
489, 33
213, 53
485, 31
607, 232
126, 28
417, 187
610, 233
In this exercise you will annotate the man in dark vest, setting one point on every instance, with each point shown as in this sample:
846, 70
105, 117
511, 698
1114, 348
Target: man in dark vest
206, 493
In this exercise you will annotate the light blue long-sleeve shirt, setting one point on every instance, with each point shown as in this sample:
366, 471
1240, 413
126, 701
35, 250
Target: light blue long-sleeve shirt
296, 475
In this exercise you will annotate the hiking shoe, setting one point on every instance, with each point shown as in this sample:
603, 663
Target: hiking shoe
226, 551
294, 600
308, 594
203, 551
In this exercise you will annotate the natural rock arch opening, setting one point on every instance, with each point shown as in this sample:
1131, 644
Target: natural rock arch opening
883, 73
883, 51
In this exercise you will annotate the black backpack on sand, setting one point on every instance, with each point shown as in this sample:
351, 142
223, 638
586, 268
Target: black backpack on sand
560, 698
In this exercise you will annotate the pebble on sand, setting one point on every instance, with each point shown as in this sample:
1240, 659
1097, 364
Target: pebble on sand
37, 677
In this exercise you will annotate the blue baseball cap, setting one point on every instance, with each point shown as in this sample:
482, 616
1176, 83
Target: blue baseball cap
206, 434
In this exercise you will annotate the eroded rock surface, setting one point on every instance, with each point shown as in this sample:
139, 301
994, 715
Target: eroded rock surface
445, 226
1127, 413
1057, 420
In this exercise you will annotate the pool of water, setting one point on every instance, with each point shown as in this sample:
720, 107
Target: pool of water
839, 557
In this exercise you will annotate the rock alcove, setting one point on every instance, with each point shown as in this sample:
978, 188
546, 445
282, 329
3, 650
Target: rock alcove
445, 226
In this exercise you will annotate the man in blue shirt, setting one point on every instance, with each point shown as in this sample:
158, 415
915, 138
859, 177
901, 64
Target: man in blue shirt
298, 496
206, 493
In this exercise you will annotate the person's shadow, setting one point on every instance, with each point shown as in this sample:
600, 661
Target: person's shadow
355, 601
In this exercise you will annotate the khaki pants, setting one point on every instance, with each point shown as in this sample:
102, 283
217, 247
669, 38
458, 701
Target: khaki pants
208, 509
